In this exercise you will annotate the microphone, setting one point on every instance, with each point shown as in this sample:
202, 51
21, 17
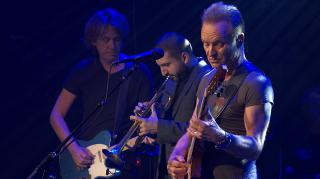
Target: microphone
153, 54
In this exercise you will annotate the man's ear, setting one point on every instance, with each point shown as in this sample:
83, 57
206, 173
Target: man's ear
185, 57
240, 39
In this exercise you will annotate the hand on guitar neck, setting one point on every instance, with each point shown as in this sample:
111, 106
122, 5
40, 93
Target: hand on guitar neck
207, 130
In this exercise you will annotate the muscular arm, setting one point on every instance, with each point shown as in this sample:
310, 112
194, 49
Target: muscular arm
256, 120
249, 146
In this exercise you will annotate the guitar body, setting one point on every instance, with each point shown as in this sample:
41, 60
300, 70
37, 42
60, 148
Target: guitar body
68, 169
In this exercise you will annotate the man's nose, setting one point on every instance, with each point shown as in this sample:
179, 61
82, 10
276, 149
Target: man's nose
164, 72
213, 52
112, 44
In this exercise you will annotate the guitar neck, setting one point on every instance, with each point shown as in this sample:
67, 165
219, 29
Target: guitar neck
193, 139
212, 86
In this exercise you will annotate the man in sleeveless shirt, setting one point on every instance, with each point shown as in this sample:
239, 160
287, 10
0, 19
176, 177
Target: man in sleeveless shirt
231, 143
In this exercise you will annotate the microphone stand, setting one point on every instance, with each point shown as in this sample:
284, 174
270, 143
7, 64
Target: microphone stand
48, 164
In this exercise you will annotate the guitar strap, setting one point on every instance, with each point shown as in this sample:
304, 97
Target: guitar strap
236, 80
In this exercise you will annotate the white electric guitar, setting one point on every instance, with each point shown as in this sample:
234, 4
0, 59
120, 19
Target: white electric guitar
98, 169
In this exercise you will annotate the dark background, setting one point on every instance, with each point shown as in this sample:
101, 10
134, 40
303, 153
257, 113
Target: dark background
41, 40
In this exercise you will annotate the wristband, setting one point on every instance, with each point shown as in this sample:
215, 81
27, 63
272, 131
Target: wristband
222, 144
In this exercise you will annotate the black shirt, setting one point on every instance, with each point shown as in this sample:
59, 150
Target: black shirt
88, 82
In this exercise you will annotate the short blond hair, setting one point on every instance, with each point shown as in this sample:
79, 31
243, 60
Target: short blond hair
219, 11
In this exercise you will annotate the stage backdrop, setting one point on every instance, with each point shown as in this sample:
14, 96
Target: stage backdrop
42, 40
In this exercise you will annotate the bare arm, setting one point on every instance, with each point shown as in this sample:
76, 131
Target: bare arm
81, 157
249, 146
59, 111
256, 120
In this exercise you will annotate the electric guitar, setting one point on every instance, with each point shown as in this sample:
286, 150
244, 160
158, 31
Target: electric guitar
194, 159
98, 169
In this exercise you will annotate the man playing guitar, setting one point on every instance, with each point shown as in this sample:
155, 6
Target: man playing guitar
232, 142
